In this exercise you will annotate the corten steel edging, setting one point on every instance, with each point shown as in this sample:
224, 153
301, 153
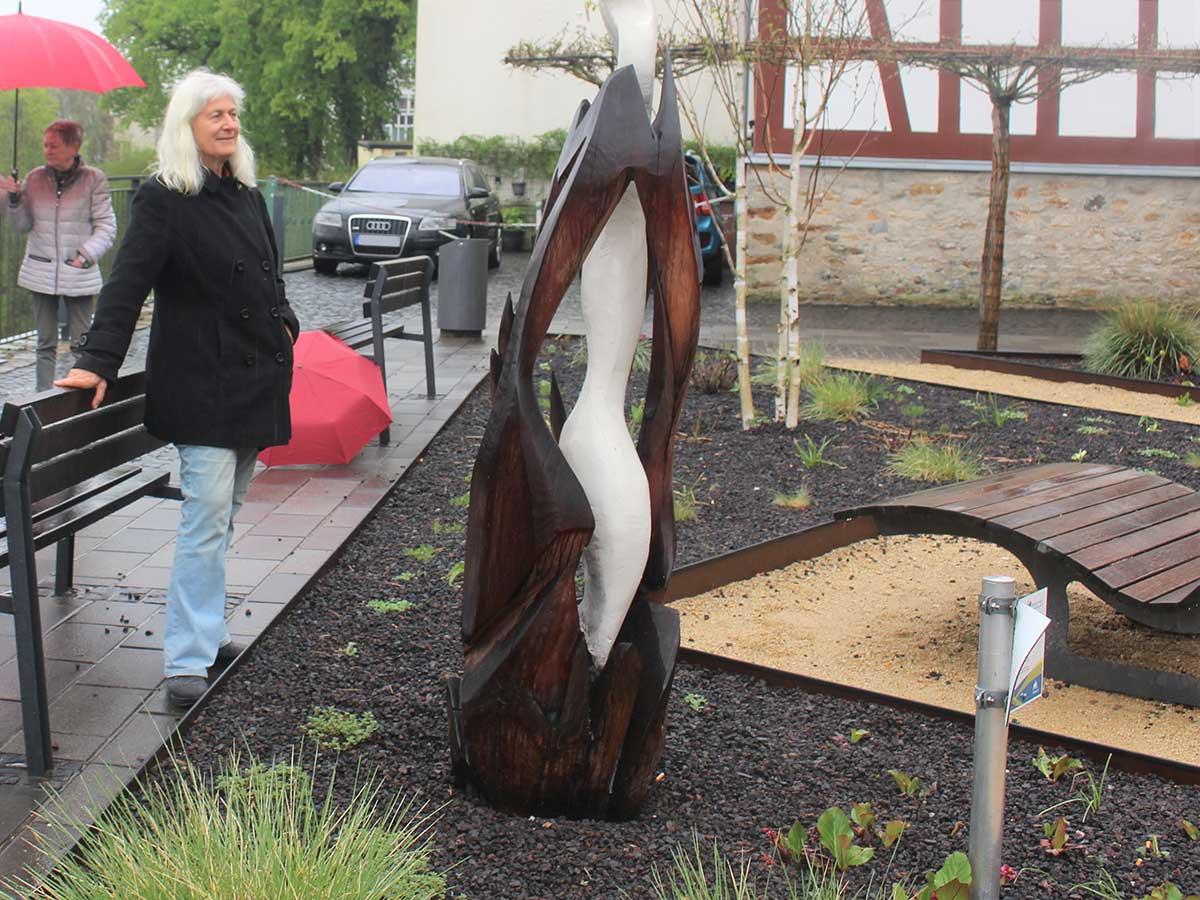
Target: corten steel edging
991, 362
718, 571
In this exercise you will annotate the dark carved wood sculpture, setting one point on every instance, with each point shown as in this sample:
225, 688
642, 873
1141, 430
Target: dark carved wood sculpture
534, 726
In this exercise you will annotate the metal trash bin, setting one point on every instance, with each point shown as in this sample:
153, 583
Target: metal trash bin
462, 285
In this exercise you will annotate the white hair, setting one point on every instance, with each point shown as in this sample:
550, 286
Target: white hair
179, 165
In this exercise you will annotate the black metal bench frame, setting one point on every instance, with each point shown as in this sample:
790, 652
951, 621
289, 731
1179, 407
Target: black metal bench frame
392, 285
1046, 548
65, 466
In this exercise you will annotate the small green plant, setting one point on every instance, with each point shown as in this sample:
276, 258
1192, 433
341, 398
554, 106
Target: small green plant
686, 503
1192, 831
837, 837
1153, 850
637, 413
1079, 456
951, 882
696, 702
989, 411
462, 501
1055, 767
690, 879
1145, 339
389, 606
1099, 420
404, 578
1092, 429
440, 527
1168, 891
909, 785
351, 649
1089, 792
841, 397
1157, 453
1191, 459
858, 735
863, 816
1184, 400
812, 454
922, 460
641, 355
1148, 425
715, 372
800, 499
455, 573
337, 729
811, 367
421, 553
892, 832
1055, 840
913, 411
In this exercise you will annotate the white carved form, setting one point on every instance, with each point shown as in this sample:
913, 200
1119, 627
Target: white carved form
595, 438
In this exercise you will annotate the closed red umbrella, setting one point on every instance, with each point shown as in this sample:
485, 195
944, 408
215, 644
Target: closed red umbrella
338, 403
41, 52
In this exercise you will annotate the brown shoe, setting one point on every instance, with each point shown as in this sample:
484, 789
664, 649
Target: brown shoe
184, 690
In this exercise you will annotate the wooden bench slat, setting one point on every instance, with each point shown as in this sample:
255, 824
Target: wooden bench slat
1142, 565
57, 404
143, 482
392, 302
1128, 546
1177, 596
991, 509
1006, 484
87, 462
1057, 508
1102, 530
1164, 582
80, 431
398, 282
1104, 512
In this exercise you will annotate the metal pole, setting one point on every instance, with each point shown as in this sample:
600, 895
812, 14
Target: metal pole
997, 610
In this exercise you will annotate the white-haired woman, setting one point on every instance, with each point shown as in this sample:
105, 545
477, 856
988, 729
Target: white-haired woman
219, 365
67, 210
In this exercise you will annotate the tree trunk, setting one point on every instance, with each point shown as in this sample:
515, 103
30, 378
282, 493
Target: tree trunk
745, 392
991, 270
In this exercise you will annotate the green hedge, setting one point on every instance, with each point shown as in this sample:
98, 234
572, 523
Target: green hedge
504, 156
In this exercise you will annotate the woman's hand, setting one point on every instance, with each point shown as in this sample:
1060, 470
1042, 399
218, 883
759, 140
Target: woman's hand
82, 379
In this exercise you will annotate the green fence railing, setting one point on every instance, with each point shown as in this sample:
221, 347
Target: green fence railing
16, 306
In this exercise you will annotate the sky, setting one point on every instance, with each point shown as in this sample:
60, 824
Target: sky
78, 12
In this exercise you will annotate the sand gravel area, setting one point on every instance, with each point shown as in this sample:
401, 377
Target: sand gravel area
900, 614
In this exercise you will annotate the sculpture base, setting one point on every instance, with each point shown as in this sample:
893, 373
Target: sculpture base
596, 754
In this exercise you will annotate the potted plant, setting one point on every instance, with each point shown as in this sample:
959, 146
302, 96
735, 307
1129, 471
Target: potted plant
512, 236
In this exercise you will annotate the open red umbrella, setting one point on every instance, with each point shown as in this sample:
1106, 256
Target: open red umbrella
46, 53
338, 403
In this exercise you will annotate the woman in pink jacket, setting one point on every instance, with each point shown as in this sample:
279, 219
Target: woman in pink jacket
67, 210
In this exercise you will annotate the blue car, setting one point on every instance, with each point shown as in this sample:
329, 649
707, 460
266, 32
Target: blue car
707, 230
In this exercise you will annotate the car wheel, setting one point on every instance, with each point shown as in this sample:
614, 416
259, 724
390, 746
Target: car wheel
325, 266
714, 269
494, 253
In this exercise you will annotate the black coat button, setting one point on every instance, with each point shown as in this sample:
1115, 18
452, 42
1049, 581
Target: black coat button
266, 265
83, 339
245, 313
279, 357
240, 265
274, 312
249, 359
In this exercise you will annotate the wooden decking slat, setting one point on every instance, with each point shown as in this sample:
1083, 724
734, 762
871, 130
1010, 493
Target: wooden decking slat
1077, 502
1156, 586
990, 509
1127, 546
1087, 534
1178, 595
1103, 512
996, 485
1135, 567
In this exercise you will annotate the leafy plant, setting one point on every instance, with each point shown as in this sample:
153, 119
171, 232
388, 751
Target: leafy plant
455, 573
925, 461
1078, 456
991, 413
686, 503
892, 832
1184, 400
254, 832
863, 816
1145, 339
841, 397
799, 499
440, 527
858, 734
351, 649
909, 784
1055, 840
422, 553
1168, 891
951, 882
336, 729
1192, 831
1148, 425
837, 837
714, 373
389, 606
1157, 453
697, 702
913, 411
637, 414
462, 501
1055, 767
812, 455
1092, 429
641, 355
1191, 459
404, 578
504, 156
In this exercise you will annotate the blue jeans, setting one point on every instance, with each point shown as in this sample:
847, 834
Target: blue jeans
214, 482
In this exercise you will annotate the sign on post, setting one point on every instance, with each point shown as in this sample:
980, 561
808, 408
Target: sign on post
1029, 651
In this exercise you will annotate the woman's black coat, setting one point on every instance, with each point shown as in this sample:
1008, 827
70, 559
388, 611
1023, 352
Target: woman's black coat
219, 366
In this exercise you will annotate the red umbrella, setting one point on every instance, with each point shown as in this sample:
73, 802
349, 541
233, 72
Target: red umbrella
46, 53
338, 403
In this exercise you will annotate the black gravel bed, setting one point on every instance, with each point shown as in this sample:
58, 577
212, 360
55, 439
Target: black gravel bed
754, 756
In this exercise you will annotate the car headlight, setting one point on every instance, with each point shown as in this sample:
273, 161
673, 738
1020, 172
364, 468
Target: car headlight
329, 219
438, 223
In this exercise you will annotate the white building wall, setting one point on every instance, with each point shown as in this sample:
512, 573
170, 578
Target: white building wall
464, 87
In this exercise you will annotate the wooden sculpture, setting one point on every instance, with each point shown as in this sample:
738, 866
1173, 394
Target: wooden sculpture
554, 715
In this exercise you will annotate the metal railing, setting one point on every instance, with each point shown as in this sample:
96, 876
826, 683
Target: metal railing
294, 207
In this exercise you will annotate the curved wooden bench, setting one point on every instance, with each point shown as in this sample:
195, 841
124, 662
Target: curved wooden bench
1131, 537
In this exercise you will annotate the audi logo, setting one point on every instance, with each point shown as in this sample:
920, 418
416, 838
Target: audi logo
377, 225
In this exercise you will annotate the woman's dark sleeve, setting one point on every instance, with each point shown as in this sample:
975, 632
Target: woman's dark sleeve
285, 308
140, 258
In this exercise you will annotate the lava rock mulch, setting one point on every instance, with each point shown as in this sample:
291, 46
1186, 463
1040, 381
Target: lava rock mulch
753, 756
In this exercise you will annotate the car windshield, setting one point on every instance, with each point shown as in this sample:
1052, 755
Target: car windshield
434, 181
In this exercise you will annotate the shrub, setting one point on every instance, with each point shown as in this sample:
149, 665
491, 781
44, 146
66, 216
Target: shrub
925, 461
1144, 340
255, 833
714, 373
842, 397
800, 499
336, 729
812, 366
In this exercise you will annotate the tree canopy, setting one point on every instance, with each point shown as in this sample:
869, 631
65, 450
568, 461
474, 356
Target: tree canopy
319, 75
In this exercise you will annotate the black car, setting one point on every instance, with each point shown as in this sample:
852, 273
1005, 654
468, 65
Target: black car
405, 206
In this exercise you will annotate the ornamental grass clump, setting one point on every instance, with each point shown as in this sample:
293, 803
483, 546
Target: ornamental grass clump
253, 833
841, 397
1147, 340
922, 460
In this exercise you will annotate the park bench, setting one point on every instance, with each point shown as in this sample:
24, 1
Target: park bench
392, 285
64, 466
1129, 536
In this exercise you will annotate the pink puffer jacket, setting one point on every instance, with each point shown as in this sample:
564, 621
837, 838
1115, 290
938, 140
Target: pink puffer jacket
80, 221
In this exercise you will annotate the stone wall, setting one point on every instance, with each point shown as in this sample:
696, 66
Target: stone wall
883, 235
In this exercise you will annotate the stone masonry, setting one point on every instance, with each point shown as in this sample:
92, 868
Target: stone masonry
882, 235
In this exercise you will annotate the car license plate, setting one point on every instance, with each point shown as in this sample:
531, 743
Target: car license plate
377, 240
